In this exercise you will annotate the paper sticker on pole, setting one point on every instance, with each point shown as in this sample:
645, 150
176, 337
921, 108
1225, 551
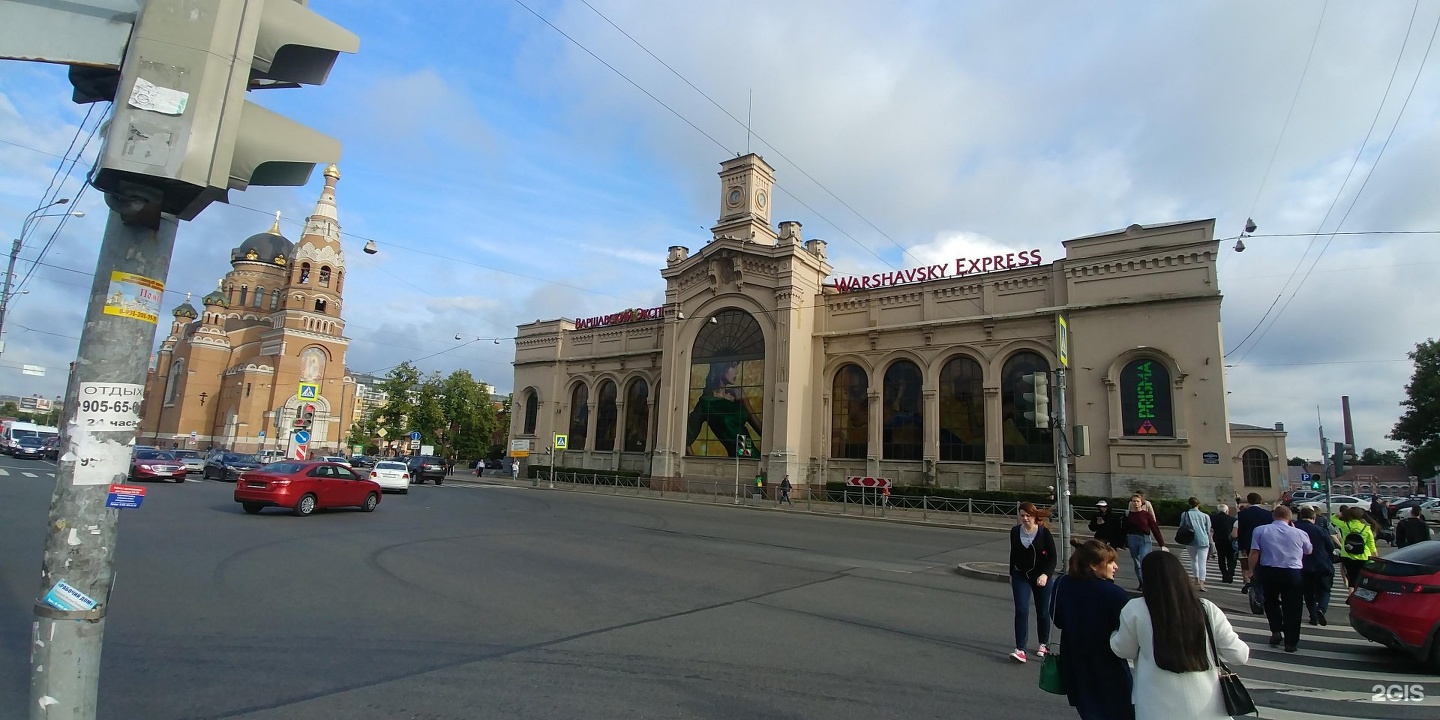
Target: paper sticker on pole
134, 296
109, 406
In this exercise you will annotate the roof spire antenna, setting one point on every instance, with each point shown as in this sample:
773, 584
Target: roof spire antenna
748, 110
275, 229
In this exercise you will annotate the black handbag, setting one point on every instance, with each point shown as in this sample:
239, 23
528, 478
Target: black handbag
1237, 698
1186, 534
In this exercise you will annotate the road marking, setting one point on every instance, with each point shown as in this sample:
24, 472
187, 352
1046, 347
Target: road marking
1383, 676
28, 474
4, 472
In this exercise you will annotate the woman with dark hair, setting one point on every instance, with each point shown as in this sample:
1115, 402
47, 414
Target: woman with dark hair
1169, 633
724, 407
1087, 611
1032, 563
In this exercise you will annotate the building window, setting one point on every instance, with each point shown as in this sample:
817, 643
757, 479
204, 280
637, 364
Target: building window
850, 414
1145, 409
532, 411
325, 276
244, 290
304, 273
579, 416
904, 425
247, 389
319, 305
259, 297
1255, 466
637, 415
727, 386
962, 410
607, 414
275, 300
1023, 442
172, 383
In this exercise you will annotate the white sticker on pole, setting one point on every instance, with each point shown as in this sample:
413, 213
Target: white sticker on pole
149, 96
109, 406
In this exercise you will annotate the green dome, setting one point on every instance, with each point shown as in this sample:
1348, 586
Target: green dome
186, 310
216, 297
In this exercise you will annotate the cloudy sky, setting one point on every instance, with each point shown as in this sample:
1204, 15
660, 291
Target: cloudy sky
524, 159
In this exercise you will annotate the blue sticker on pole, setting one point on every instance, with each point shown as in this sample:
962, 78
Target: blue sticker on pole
64, 596
125, 496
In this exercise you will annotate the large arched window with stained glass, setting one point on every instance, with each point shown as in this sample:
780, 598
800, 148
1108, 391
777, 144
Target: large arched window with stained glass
637, 415
903, 436
727, 387
1145, 405
962, 410
579, 417
850, 414
1023, 442
532, 411
606, 416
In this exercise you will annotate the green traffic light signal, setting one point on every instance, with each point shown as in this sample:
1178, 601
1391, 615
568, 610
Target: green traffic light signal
1314, 484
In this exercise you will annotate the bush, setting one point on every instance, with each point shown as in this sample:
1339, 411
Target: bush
1167, 511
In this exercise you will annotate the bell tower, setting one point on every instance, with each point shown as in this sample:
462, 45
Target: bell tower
745, 185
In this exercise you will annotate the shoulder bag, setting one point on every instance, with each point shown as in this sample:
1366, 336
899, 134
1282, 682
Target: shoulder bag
1050, 680
1186, 534
1237, 698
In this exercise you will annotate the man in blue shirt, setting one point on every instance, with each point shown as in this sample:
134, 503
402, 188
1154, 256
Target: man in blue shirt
1277, 553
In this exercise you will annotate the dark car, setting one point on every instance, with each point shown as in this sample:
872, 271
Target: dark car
362, 461
1398, 602
304, 487
228, 466
426, 467
156, 465
51, 449
29, 447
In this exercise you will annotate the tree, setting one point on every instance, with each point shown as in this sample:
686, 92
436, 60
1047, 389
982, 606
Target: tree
1371, 456
1297, 461
399, 387
469, 415
1419, 427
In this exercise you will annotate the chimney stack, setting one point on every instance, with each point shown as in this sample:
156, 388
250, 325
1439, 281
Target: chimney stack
1345, 410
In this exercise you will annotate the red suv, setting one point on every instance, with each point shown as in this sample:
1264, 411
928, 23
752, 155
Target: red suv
1398, 601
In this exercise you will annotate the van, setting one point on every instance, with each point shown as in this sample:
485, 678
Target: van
14, 430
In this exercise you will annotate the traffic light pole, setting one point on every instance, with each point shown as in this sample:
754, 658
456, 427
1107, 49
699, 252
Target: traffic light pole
1062, 471
98, 428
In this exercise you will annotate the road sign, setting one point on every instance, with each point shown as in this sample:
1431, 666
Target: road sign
194, 435
125, 496
308, 391
1305, 477
520, 448
302, 436
262, 433
1062, 340
562, 442
415, 435
414, 444
868, 482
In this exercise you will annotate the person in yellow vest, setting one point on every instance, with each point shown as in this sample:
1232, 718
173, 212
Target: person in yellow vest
760, 486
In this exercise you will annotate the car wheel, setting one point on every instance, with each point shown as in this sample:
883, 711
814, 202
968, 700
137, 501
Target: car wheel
371, 501
405, 491
439, 481
305, 506
252, 508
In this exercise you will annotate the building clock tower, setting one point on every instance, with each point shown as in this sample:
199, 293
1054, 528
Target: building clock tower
745, 186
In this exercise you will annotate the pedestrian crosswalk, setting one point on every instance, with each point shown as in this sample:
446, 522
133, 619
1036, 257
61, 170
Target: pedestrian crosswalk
1213, 577
26, 473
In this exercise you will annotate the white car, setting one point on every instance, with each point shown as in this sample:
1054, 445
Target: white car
1336, 502
1431, 511
341, 459
391, 475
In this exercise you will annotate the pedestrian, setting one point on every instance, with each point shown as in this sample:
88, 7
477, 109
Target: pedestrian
1357, 542
785, 491
1108, 526
1140, 527
1278, 553
759, 486
1412, 529
1222, 531
1252, 516
1199, 545
1087, 610
1147, 506
1165, 633
514, 469
1317, 572
1032, 563
885, 493
1380, 511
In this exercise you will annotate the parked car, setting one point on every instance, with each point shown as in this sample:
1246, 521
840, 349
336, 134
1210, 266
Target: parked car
28, 447
51, 449
190, 459
427, 467
156, 465
228, 466
1334, 504
362, 461
1398, 602
1431, 511
341, 459
304, 487
1299, 496
391, 475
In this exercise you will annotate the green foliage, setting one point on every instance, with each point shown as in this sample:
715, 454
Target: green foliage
1419, 427
1166, 511
1371, 456
1297, 461
453, 412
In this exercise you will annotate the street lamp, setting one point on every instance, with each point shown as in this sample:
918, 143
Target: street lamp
15, 251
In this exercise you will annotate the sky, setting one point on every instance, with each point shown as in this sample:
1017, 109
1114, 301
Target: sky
523, 159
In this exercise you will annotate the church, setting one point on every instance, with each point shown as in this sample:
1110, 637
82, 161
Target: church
228, 375
760, 361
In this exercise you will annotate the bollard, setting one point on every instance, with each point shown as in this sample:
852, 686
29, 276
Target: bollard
925, 508
969, 511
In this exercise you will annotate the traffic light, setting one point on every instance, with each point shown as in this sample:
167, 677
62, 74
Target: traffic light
1038, 399
307, 416
182, 134
1314, 482
1344, 454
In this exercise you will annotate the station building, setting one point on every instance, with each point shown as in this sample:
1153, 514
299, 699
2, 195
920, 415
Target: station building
913, 374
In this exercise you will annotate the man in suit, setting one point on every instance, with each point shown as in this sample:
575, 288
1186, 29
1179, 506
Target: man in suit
1317, 570
1252, 516
1222, 532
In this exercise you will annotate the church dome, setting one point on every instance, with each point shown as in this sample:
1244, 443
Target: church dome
216, 297
268, 247
186, 310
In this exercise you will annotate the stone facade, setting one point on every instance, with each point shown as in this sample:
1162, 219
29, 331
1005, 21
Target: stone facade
914, 375
232, 370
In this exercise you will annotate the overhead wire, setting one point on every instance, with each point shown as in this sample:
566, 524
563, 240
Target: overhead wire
79, 195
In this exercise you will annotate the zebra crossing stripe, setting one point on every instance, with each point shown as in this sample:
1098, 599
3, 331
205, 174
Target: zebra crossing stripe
4, 472
29, 474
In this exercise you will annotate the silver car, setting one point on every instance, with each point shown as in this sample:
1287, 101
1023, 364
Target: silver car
190, 459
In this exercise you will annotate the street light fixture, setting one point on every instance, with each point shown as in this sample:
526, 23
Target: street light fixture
5, 293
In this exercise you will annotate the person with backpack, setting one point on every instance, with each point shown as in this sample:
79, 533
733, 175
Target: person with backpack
1194, 534
1357, 542
1412, 529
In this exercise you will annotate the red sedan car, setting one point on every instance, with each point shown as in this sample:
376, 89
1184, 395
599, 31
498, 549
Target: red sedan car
1398, 601
305, 486
156, 465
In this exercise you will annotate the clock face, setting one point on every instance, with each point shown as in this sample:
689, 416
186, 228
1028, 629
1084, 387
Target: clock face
761, 199
734, 197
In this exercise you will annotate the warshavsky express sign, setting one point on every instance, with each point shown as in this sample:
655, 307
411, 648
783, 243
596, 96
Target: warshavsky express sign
624, 316
963, 267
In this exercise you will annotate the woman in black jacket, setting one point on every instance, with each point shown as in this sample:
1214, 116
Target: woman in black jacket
1032, 564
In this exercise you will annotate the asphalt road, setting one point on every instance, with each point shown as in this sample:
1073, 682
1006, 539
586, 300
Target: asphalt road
463, 602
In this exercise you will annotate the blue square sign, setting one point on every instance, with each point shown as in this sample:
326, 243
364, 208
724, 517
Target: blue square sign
125, 496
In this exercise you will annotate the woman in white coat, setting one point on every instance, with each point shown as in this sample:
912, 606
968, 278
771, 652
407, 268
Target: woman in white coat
1164, 632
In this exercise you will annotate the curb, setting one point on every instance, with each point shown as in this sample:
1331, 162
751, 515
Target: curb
971, 570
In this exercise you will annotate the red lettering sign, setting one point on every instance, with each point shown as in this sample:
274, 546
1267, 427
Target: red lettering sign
963, 267
624, 316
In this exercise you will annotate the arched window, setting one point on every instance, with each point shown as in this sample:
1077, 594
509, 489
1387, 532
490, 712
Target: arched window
259, 296
727, 386
172, 382
275, 300
339, 281
1145, 399
532, 411
962, 410
904, 424
850, 414
579, 416
319, 305
325, 276
1255, 466
637, 415
1024, 443
243, 291
304, 273
607, 415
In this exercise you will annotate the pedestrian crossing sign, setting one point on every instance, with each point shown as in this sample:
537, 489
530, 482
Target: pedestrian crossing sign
561, 441
308, 391
743, 446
